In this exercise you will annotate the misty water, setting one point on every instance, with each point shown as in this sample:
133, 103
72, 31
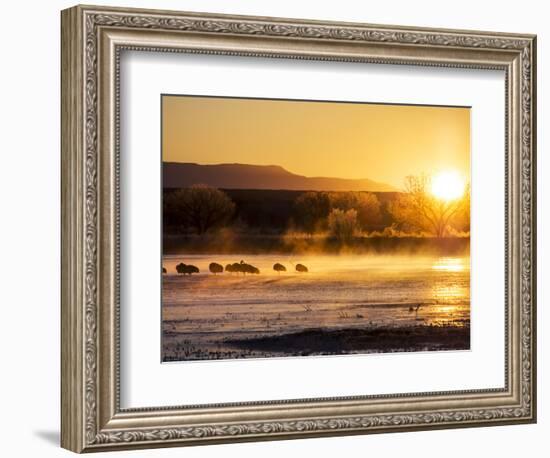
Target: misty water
203, 312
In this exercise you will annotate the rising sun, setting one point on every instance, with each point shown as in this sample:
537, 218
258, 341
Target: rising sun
447, 185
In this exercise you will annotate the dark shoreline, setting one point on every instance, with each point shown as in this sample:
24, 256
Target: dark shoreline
318, 342
354, 340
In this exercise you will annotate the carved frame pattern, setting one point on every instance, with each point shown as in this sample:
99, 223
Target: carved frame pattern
90, 21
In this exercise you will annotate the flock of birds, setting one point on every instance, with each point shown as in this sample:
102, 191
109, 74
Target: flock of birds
236, 267
245, 268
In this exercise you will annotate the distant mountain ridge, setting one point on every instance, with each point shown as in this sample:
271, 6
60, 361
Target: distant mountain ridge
245, 176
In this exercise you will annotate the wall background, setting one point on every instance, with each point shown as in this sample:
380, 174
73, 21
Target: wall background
29, 242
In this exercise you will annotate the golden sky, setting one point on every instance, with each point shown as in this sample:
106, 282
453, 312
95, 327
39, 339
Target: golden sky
384, 143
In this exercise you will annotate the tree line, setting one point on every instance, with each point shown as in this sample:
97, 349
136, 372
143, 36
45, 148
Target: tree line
203, 209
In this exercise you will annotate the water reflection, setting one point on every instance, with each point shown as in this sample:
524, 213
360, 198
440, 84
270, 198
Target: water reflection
448, 309
449, 265
339, 292
443, 292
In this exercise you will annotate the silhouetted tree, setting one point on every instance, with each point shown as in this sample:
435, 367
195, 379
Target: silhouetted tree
301, 268
342, 224
461, 220
418, 209
366, 204
311, 210
201, 208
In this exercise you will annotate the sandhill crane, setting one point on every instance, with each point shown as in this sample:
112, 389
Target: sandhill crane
415, 310
229, 268
242, 267
248, 268
186, 269
279, 268
215, 268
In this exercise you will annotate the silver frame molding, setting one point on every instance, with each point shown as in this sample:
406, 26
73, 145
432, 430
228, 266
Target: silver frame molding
92, 40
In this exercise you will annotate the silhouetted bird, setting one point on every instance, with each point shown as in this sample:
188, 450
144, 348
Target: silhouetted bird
164, 270
186, 269
215, 268
180, 268
190, 269
248, 268
242, 267
279, 268
414, 309
251, 269
236, 267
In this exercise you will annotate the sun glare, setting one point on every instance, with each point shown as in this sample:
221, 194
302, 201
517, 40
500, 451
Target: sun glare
447, 185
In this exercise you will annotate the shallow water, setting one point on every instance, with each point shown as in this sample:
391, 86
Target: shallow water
201, 312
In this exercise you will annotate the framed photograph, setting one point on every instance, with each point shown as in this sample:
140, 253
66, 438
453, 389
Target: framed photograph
330, 265
279, 228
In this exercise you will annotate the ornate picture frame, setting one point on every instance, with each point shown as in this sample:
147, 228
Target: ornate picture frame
92, 41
